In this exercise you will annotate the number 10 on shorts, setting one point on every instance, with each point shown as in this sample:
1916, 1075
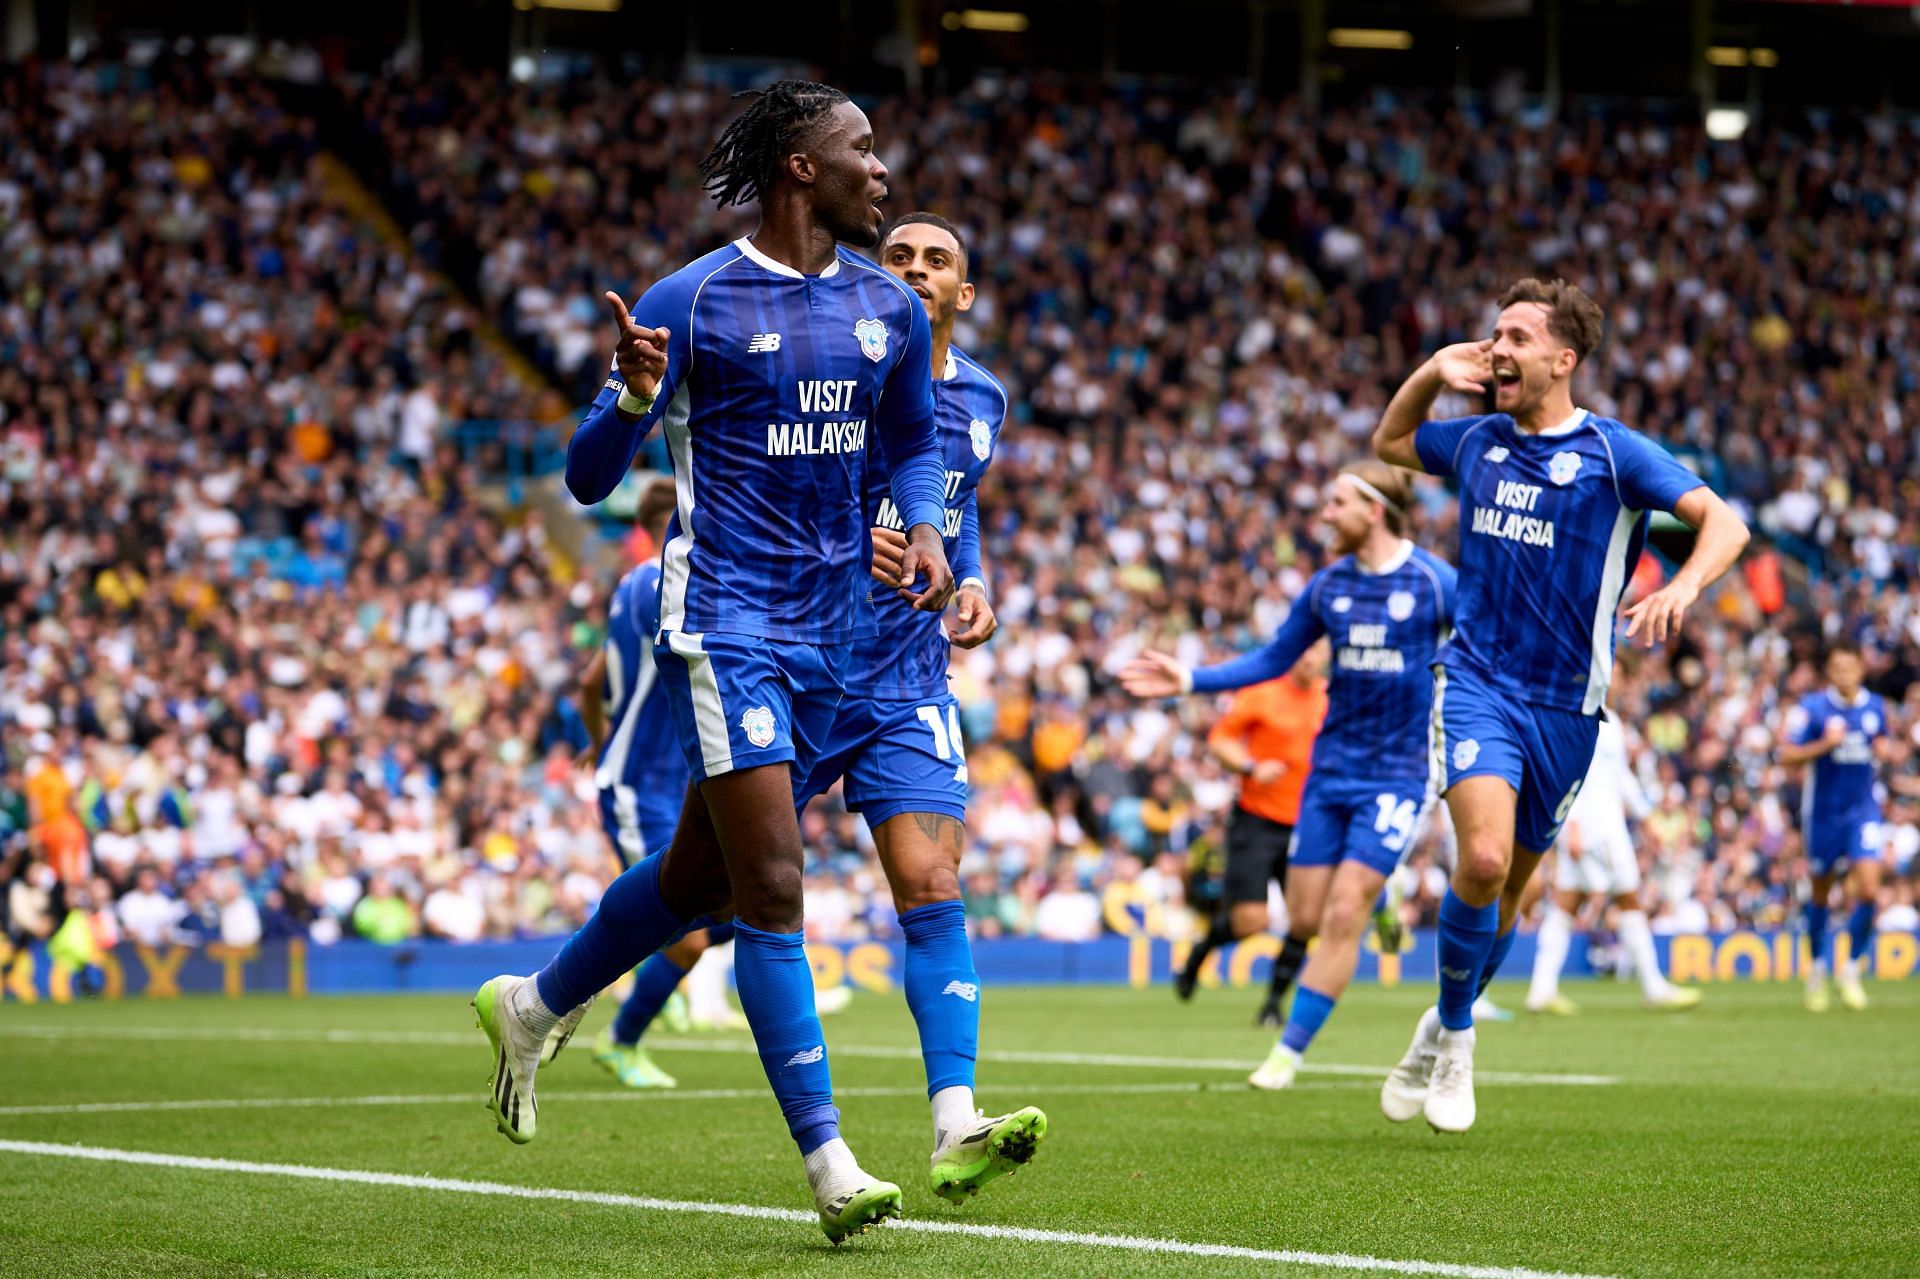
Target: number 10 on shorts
947, 742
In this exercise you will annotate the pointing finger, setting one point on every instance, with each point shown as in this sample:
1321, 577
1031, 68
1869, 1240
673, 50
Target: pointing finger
623, 318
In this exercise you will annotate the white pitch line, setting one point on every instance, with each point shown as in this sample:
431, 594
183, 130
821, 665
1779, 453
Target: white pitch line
655, 1094
880, 1051
1126, 1243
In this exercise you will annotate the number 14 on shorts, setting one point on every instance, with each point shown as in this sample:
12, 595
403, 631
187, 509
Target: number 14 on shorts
1395, 821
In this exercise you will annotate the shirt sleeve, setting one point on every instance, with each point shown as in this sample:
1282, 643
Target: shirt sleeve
903, 424
1296, 635
603, 446
1650, 478
1437, 443
966, 549
1233, 726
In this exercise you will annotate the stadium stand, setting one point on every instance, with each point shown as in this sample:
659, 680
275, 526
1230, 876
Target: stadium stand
1198, 302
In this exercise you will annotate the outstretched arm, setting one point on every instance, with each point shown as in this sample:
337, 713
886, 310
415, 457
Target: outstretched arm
1154, 674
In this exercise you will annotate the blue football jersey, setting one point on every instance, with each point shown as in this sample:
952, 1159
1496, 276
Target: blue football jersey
1551, 525
907, 654
643, 751
1386, 627
772, 380
1841, 785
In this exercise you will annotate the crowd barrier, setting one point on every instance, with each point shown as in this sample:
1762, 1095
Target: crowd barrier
300, 968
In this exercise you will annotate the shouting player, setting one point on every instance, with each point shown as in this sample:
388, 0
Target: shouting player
1553, 503
765, 363
1385, 605
642, 778
1595, 859
1836, 733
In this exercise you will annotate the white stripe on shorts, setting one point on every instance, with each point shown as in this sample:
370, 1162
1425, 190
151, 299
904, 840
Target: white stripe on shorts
709, 716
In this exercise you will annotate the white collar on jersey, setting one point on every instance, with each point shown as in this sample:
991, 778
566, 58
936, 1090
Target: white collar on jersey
781, 268
1859, 698
1567, 427
1393, 561
952, 370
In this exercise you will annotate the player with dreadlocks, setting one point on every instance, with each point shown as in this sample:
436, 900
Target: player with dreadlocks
764, 362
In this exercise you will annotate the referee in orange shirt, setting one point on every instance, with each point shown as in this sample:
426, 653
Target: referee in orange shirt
1266, 736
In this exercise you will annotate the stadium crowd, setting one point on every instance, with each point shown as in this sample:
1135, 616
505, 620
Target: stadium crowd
1200, 303
267, 663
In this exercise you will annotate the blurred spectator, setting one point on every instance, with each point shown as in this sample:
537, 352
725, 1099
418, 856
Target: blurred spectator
383, 915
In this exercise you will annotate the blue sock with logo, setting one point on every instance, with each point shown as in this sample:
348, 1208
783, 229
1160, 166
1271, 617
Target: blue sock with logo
1304, 1019
631, 923
775, 982
1860, 930
653, 985
1496, 957
943, 992
1817, 930
1466, 940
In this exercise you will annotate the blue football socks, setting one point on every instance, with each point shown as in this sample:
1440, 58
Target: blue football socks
631, 923
1304, 1019
943, 992
1466, 940
775, 983
653, 985
1495, 957
1817, 930
1860, 931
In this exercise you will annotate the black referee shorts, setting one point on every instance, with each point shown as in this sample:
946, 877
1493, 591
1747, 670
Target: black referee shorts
1256, 853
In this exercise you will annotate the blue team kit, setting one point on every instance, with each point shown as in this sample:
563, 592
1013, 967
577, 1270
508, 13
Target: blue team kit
1840, 805
772, 381
642, 771
1551, 525
897, 738
1373, 760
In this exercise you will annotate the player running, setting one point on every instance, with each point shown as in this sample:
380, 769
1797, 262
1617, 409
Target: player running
1553, 503
764, 362
1386, 605
641, 775
896, 739
1837, 733
1595, 859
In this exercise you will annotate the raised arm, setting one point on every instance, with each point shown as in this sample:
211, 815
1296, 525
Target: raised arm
1464, 366
631, 401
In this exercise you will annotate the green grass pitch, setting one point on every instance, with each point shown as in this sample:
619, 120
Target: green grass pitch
1745, 1138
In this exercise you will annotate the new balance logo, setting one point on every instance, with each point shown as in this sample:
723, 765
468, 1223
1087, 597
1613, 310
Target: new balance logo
1451, 974
1498, 453
760, 343
810, 1057
965, 990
